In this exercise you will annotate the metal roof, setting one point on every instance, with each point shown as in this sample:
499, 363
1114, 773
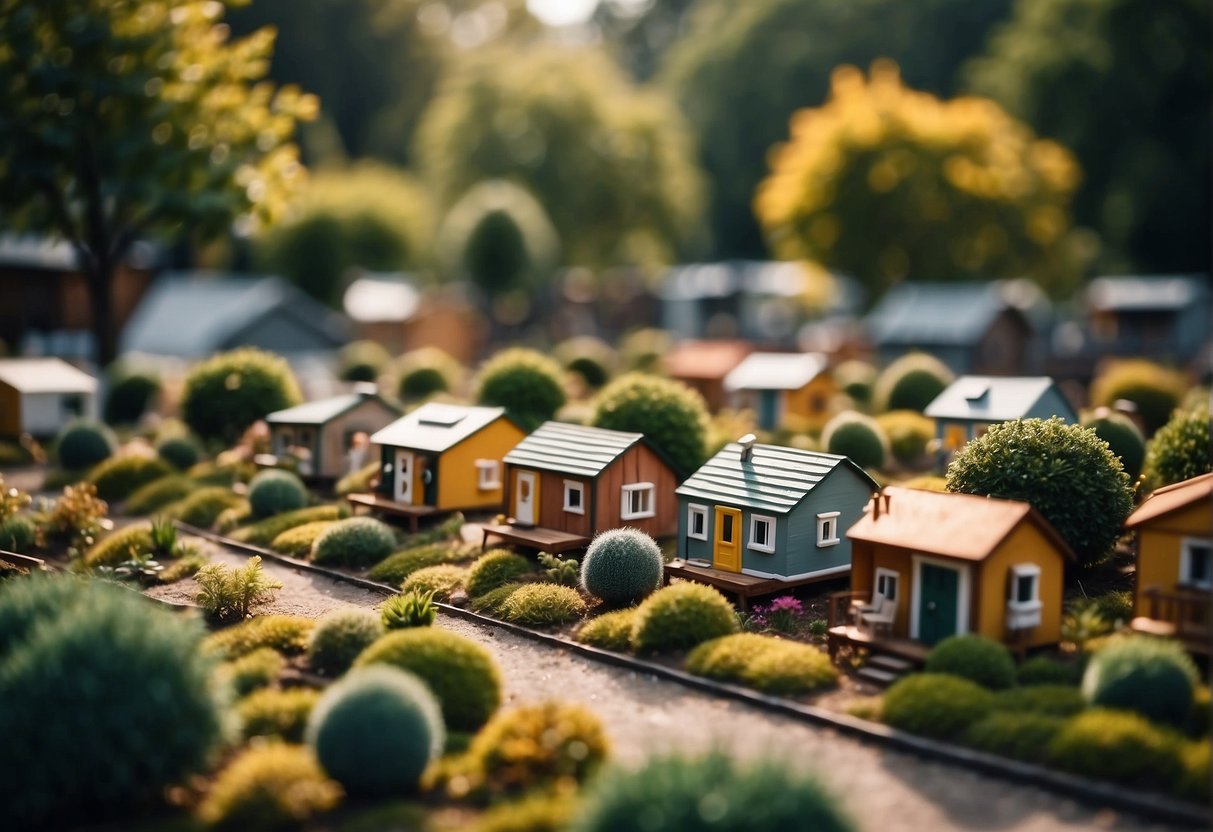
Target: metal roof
436, 427
1171, 498
694, 281
45, 375
324, 410
774, 479
1147, 294
571, 449
994, 399
936, 313
775, 371
381, 297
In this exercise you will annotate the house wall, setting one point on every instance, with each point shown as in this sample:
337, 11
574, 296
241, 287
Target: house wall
1158, 547
43, 414
1003, 349
812, 402
843, 491
637, 464
458, 479
692, 547
866, 558
988, 610
333, 444
10, 411
1053, 403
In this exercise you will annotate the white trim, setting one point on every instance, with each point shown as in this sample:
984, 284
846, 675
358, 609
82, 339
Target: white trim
823, 522
530, 478
625, 512
769, 546
881, 572
402, 489
1185, 562
962, 592
569, 487
488, 474
833, 570
1022, 615
702, 511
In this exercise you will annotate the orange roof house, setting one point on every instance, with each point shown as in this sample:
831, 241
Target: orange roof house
703, 365
944, 564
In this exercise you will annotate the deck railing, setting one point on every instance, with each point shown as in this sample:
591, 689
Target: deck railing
1187, 609
839, 610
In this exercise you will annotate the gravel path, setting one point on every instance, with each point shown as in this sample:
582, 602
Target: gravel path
884, 790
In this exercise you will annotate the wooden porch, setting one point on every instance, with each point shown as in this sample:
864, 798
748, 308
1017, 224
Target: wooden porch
845, 628
743, 586
534, 537
381, 505
1181, 613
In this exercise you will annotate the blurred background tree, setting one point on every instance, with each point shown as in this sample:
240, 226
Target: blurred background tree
883, 183
638, 34
1126, 85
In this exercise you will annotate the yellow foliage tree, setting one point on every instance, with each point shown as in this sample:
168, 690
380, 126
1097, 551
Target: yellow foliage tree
883, 182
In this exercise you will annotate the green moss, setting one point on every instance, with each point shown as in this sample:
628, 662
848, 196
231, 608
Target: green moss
118, 477
201, 508
936, 705
440, 580
543, 605
976, 658
288, 634
120, 546
271, 712
681, 616
272, 786
339, 637
1051, 700
254, 670
263, 532
354, 542
395, 568
1016, 734
1118, 746
769, 664
493, 569
298, 541
609, 631
274, 491
158, 494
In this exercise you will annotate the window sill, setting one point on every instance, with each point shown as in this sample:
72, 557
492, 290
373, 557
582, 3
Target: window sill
637, 516
825, 544
766, 550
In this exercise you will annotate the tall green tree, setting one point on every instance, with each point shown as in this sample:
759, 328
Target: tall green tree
1126, 85
123, 118
742, 69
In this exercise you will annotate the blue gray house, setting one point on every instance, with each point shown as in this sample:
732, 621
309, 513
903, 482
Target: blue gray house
772, 512
1160, 317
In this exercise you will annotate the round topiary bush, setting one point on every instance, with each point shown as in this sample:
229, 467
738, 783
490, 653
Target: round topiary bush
671, 415
543, 605
376, 730
362, 361
83, 443
228, 392
909, 434
120, 476
18, 533
856, 379
274, 491
622, 566
1065, 472
859, 437
439, 581
1118, 746
681, 616
72, 722
355, 541
253, 671
1180, 449
609, 631
911, 383
460, 672
158, 494
131, 391
525, 382
425, 372
181, 452
1153, 389
339, 637
1152, 676
1054, 700
590, 358
669, 794
936, 705
272, 786
274, 712
493, 601
1122, 437
976, 658
202, 508
1015, 734
494, 569
769, 664
288, 634
299, 540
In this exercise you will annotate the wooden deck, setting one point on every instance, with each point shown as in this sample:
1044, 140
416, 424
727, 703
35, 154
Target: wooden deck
848, 634
1181, 613
383, 505
743, 586
535, 537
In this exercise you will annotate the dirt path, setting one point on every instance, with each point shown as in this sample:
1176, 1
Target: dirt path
885, 791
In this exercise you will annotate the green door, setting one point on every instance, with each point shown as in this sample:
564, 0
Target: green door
937, 603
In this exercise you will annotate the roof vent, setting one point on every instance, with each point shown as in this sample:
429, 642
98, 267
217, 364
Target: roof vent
747, 446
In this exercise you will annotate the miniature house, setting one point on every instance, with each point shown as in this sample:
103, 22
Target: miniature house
703, 366
567, 483
940, 564
771, 512
39, 396
1175, 562
442, 458
326, 438
777, 386
971, 404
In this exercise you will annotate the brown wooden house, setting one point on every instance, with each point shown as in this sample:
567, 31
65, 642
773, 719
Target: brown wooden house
322, 436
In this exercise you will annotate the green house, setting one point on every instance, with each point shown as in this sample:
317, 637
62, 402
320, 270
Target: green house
772, 512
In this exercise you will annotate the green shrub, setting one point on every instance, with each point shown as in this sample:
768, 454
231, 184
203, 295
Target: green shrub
355, 541
976, 658
71, 652
1122, 437
558, 570
131, 391
120, 476
253, 671
1053, 700
275, 491
769, 664
856, 379
339, 637
591, 358
269, 787
181, 452
271, 712
609, 631
228, 392
376, 730
202, 508
1152, 676
672, 416
1064, 471
408, 609
288, 634
1194, 783
1118, 746
184, 567
362, 361
936, 705
538, 813
1016, 734
233, 517
1180, 449
622, 566
543, 605
859, 437
643, 349
425, 372
1116, 606
669, 794
908, 432
121, 545
18, 533
493, 601
460, 672
299, 540
1152, 388
82, 443
525, 382
681, 616
212, 473
911, 383
439, 581
158, 494
357, 482
395, 568
227, 594
1045, 670
1200, 721
494, 568
263, 532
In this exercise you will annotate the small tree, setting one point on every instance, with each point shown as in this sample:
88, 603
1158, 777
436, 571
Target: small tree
911, 383
228, 392
1152, 388
671, 415
1065, 472
1122, 437
525, 382
1180, 449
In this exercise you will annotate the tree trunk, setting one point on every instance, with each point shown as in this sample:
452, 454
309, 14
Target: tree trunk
99, 278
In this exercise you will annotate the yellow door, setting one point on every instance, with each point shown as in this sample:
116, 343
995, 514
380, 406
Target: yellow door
726, 554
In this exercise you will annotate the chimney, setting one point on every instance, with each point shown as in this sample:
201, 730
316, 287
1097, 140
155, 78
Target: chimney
747, 446
876, 506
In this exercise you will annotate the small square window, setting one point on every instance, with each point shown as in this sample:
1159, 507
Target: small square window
638, 501
1023, 597
726, 528
574, 497
886, 583
488, 474
697, 522
1196, 563
827, 529
762, 533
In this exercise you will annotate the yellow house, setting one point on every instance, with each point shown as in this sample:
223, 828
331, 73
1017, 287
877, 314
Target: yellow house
942, 564
781, 385
1175, 562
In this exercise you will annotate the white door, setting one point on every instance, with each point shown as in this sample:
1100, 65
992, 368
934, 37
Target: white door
524, 498
404, 477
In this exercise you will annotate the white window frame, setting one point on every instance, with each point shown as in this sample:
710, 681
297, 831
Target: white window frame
1185, 562
488, 474
571, 486
626, 493
828, 521
769, 546
697, 510
1023, 614
285, 439
306, 437
884, 572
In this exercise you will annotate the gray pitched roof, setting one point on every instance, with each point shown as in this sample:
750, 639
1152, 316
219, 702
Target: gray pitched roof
436, 427
45, 375
936, 313
322, 411
774, 479
571, 449
775, 371
993, 399
1152, 293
